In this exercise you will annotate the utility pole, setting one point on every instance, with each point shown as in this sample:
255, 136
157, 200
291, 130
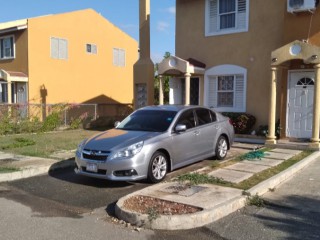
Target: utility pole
143, 69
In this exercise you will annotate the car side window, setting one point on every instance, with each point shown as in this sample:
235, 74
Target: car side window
213, 116
187, 118
203, 116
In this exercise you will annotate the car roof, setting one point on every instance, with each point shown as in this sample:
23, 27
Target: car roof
175, 108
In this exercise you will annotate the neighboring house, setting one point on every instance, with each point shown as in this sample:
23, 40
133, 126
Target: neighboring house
256, 56
75, 57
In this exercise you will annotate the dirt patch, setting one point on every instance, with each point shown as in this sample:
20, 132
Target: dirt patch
145, 204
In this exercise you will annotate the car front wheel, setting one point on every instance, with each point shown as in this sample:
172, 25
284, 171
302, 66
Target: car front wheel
158, 167
221, 148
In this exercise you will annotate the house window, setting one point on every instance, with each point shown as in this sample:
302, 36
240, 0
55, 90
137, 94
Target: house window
91, 48
226, 89
7, 47
226, 16
59, 48
119, 57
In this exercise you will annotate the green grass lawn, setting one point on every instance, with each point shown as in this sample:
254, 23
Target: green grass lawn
43, 144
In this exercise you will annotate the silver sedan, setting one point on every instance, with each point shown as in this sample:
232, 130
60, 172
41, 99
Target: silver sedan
153, 141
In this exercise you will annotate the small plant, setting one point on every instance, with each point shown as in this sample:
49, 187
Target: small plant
153, 214
197, 178
245, 193
242, 122
255, 200
215, 164
18, 143
263, 130
8, 169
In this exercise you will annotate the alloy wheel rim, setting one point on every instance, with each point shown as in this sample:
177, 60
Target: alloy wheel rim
159, 167
222, 148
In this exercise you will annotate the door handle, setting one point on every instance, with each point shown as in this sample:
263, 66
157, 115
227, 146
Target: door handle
196, 133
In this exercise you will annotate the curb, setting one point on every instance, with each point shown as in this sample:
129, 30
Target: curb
274, 181
35, 171
180, 222
199, 219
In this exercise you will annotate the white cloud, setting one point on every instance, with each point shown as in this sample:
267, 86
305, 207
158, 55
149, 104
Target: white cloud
163, 26
171, 10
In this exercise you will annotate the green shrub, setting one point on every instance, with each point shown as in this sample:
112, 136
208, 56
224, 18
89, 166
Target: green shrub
242, 122
263, 130
51, 122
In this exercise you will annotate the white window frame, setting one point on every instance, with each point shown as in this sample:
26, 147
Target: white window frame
93, 48
219, 31
225, 70
60, 55
13, 47
116, 54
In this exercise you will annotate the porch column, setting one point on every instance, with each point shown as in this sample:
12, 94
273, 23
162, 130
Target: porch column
187, 90
9, 88
160, 90
271, 138
316, 109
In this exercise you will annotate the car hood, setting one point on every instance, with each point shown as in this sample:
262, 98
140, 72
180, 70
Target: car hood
116, 138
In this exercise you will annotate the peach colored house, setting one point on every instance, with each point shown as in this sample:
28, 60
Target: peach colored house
73, 57
256, 56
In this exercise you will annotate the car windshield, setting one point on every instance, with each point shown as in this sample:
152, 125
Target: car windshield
148, 120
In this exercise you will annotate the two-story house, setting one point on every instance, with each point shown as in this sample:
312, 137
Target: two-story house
255, 56
73, 57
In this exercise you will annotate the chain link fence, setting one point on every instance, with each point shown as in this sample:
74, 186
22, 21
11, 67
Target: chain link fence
66, 115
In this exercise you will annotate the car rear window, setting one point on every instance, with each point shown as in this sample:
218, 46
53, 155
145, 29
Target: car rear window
203, 116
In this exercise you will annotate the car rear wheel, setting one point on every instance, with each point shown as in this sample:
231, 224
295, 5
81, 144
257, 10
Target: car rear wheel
158, 167
221, 148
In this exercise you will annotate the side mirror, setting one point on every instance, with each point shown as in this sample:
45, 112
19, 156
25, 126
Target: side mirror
180, 128
116, 124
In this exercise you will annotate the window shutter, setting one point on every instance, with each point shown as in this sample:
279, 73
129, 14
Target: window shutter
122, 57
213, 15
213, 96
63, 49
115, 57
239, 92
54, 48
242, 14
94, 48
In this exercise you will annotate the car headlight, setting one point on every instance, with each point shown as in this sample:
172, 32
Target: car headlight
81, 146
129, 151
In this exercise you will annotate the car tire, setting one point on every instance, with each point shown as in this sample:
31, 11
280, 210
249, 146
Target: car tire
221, 148
158, 167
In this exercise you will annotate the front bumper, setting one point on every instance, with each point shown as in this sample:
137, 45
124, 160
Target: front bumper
108, 169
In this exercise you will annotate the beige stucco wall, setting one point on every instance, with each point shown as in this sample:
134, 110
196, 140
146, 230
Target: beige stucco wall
270, 27
20, 62
82, 77
250, 50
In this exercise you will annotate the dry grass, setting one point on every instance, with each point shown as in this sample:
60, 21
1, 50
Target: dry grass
44, 143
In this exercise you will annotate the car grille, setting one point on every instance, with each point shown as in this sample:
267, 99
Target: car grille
100, 171
95, 155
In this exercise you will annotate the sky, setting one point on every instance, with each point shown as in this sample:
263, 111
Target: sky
122, 13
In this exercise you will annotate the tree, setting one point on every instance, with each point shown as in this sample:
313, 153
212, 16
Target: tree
165, 80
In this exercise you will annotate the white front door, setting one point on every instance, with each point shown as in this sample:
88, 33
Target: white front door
300, 104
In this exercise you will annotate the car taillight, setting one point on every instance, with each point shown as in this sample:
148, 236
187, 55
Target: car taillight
230, 121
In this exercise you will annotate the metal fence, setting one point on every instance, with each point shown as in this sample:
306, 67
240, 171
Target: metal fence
67, 112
